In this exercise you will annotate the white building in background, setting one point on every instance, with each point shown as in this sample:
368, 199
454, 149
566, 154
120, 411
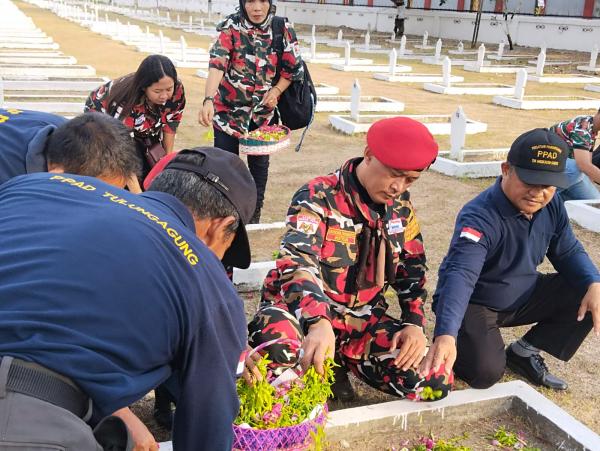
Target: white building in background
560, 24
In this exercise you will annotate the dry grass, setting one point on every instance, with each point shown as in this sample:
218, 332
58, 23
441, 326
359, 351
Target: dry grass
438, 198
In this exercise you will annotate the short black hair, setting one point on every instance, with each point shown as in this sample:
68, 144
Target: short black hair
201, 197
94, 144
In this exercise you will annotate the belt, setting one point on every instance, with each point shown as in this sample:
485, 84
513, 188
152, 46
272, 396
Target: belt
34, 380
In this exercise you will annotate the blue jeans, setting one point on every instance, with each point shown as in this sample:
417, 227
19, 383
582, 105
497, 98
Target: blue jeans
581, 187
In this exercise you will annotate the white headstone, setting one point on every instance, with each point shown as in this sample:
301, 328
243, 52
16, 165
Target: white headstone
594, 56
460, 47
202, 24
340, 36
394, 55
544, 47
161, 42
520, 84
480, 55
178, 20
313, 31
168, 17
393, 58
191, 23
367, 40
446, 71
500, 50
128, 31
393, 37
541, 62
402, 46
183, 47
313, 47
458, 131
106, 18
438, 49
147, 34
425, 38
347, 51
355, 101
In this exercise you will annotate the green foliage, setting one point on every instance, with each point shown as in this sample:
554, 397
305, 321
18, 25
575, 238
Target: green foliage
263, 406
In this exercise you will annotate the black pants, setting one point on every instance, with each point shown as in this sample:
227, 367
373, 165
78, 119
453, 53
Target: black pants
553, 306
257, 164
399, 27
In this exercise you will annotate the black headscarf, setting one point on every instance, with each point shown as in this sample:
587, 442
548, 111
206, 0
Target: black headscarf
244, 14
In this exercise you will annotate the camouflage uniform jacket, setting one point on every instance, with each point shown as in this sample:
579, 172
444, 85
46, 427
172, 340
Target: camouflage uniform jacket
578, 133
245, 53
144, 120
316, 272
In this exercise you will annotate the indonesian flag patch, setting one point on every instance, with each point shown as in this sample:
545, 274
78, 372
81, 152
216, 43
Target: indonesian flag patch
470, 234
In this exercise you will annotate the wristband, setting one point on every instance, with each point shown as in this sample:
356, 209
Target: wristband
279, 89
207, 98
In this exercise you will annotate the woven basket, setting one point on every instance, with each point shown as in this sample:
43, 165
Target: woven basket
253, 146
289, 438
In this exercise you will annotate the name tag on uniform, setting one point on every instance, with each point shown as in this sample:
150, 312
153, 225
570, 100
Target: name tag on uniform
341, 236
395, 226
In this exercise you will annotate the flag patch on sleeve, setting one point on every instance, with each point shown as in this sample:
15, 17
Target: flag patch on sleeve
470, 234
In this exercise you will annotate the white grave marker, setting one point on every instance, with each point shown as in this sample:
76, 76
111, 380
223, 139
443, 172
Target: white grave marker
183, 47
446, 71
313, 47
402, 45
438, 49
355, 101
161, 42
460, 47
313, 31
458, 132
347, 50
594, 56
541, 62
520, 84
367, 40
393, 37
340, 36
425, 38
393, 58
500, 52
480, 55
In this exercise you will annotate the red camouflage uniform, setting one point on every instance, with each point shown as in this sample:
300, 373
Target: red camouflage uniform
316, 277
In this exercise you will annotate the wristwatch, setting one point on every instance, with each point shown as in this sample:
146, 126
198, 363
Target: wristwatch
211, 98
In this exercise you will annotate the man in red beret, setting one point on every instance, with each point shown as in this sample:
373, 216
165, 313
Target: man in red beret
350, 236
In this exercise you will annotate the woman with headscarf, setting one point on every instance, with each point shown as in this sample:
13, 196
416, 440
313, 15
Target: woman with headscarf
241, 93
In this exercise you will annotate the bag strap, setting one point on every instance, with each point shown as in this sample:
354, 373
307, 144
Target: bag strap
278, 26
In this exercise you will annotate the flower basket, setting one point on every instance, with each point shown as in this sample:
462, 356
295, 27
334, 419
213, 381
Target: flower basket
265, 140
295, 437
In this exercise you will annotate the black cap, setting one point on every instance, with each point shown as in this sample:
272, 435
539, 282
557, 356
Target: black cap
539, 157
226, 172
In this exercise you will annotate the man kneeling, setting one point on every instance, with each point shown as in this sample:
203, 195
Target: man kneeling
350, 236
489, 278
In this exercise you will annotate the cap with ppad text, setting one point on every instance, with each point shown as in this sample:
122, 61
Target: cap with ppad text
540, 157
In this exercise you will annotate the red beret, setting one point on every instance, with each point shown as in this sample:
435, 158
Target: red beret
402, 143
157, 169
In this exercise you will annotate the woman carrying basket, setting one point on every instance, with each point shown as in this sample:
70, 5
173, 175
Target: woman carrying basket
240, 93
150, 102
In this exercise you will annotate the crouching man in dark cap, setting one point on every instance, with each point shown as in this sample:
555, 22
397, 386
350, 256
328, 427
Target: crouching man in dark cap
489, 279
350, 236
105, 294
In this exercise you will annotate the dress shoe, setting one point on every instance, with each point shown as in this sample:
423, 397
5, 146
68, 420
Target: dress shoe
534, 369
341, 387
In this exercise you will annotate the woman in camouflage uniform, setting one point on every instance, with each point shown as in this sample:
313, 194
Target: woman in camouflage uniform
240, 95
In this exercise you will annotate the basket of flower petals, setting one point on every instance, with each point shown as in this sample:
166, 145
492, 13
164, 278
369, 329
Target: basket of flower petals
265, 140
285, 412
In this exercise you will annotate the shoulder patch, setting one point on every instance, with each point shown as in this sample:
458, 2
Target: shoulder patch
471, 234
307, 223
412, 228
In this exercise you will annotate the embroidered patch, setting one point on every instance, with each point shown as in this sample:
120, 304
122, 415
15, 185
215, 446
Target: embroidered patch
412, 228
307, 223
470, 234
395, 226
341, 236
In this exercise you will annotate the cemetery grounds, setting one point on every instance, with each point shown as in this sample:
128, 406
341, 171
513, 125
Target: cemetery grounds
437, 198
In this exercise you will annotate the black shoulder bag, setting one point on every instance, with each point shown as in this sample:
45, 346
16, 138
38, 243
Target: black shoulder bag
297, 104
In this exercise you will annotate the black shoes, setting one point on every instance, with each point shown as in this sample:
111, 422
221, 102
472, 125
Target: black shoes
342, 388
534, 369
